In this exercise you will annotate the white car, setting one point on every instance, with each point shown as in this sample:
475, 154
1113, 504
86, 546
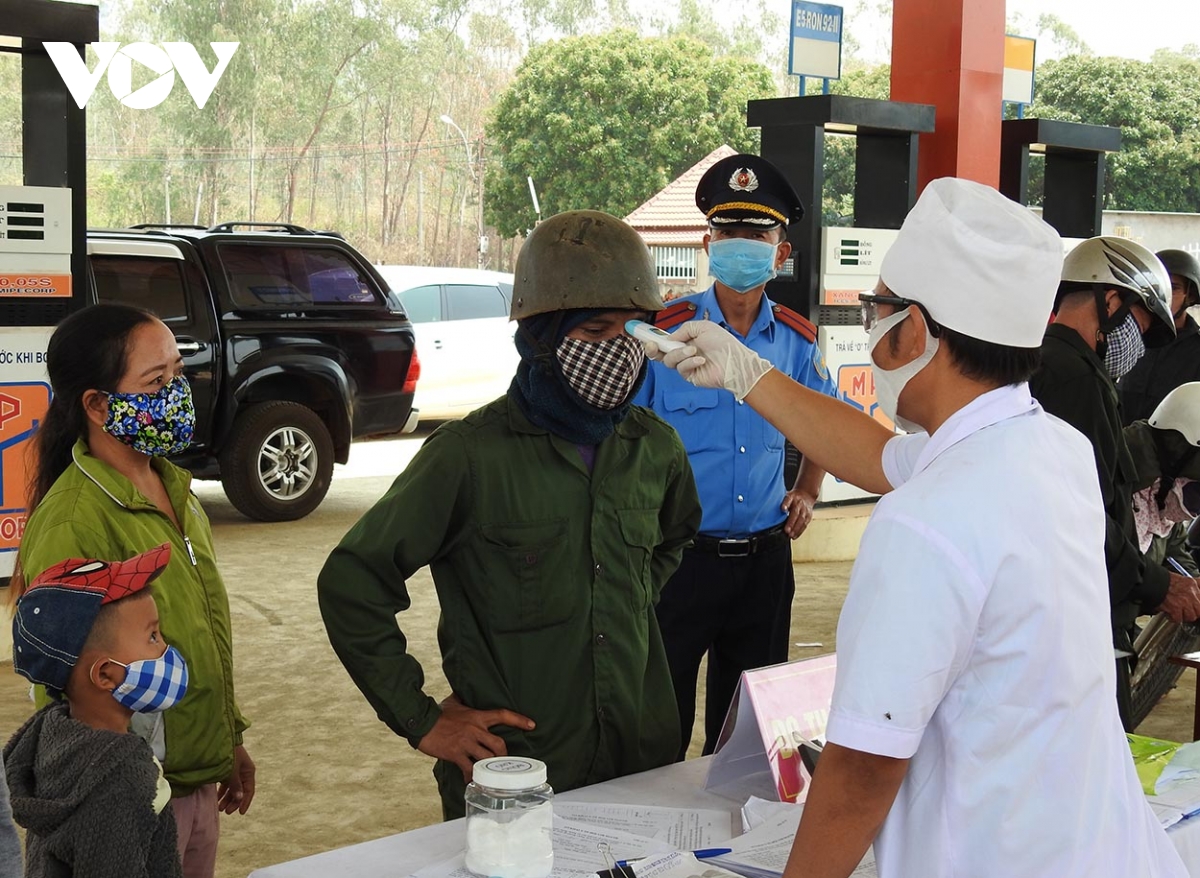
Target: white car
464, 336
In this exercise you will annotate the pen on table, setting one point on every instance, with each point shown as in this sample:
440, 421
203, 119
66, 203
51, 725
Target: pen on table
703, 854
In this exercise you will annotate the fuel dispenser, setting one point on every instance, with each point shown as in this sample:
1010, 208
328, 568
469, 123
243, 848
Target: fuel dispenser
35, 268
42, 241
832, 265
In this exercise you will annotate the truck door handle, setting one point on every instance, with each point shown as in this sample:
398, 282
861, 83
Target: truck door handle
188, 346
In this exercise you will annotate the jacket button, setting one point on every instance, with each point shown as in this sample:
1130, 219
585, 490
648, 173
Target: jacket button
601, 640
597, 569
412, 724
600, 712
741, 499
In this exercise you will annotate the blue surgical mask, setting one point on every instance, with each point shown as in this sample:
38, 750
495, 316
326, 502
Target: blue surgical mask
740, 263
153, 685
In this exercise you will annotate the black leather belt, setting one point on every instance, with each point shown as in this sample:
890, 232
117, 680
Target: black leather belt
739, 548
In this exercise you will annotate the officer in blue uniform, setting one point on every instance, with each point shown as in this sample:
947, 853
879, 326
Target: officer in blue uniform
732, 594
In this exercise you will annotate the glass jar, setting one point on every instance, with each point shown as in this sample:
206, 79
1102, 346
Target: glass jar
509, 819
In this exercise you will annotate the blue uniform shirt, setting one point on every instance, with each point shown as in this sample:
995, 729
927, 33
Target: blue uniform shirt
736, 455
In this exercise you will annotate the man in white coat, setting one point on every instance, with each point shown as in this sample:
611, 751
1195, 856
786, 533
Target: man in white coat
974, 730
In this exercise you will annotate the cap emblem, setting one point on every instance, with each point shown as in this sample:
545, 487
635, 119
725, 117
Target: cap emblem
743, 180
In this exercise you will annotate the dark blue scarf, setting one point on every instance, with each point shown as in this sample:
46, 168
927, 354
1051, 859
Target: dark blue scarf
541, 391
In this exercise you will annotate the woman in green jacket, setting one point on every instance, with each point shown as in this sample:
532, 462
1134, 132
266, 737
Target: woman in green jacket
103, 488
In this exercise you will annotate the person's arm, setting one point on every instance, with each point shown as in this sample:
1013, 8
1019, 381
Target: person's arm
362, 587
678, 517
850, 797
834, 436
10, 842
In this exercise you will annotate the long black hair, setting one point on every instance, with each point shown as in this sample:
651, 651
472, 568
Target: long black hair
86, 352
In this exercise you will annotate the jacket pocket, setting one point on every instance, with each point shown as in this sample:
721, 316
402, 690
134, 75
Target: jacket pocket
642, 534
532, 587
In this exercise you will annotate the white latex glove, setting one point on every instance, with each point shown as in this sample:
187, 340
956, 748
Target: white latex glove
713, 358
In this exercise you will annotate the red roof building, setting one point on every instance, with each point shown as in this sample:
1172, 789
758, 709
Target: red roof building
672, 227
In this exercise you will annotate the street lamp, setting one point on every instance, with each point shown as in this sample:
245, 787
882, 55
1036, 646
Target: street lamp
477, 179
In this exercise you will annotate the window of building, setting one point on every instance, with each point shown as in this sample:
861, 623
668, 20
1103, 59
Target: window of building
674, 263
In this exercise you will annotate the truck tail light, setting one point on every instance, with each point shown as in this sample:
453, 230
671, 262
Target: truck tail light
414, 372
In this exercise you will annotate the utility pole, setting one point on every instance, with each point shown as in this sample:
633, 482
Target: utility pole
477, 179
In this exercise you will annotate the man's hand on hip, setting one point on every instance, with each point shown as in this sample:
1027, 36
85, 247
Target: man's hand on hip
1182, 603
461, 735
798, 504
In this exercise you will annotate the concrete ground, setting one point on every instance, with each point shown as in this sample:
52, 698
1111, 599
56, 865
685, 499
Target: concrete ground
329, 773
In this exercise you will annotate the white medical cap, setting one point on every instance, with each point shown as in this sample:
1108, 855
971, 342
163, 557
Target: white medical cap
980, 263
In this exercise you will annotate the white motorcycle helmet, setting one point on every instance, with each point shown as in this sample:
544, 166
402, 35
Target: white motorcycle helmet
1180, 411
1109, 261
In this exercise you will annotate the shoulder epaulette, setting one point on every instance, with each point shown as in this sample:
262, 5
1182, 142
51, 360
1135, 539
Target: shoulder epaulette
674, 315
796, 322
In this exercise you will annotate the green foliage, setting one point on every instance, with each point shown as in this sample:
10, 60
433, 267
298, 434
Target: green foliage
1157, 107
604, 122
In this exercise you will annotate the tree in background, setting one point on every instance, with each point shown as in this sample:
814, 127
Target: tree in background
604, 122
1157, 107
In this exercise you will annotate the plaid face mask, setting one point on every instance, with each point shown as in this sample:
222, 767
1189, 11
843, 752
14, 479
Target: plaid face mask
159, 424
1125, 348
153, 685
603, 373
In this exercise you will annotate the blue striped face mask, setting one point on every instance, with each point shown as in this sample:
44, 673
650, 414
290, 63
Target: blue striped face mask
153, 685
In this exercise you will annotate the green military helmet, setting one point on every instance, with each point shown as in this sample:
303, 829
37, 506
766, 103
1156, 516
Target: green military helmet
1183, 264
584, 259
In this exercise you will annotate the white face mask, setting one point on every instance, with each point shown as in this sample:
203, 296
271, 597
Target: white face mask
889, 383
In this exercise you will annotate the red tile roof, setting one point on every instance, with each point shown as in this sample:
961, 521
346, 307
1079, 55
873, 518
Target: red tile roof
671, 217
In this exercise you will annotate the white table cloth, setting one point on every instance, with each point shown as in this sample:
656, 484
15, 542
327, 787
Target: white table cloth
673, 786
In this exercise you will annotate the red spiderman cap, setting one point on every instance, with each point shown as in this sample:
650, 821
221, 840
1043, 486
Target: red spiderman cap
55, 615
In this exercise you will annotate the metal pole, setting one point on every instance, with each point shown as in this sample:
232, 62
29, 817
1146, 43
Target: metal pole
477, 179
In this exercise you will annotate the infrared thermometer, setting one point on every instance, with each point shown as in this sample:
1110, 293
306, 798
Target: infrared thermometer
645, 332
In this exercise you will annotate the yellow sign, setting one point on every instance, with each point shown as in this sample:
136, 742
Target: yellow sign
1018, 69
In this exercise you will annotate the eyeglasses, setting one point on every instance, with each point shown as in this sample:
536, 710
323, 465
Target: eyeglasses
870, 303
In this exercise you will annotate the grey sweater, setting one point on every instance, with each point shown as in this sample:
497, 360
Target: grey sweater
86, 798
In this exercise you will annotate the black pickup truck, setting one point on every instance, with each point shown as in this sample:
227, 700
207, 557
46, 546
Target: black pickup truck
293, 344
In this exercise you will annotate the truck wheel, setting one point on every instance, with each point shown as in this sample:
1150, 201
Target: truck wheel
277, 462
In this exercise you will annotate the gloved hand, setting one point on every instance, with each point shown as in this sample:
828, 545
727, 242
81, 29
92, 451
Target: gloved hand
712, 358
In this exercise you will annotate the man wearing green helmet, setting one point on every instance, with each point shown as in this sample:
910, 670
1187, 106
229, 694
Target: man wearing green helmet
1163, 369
550, 519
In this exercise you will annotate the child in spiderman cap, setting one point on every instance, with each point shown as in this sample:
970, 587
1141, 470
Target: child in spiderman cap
90, 793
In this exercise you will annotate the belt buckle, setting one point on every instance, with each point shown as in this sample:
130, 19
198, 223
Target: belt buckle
742, 545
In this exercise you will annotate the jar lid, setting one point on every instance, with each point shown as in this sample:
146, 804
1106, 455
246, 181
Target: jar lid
510, 773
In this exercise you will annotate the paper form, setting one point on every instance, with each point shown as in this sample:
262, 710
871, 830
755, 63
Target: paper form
763, 851
682, 829
576, 851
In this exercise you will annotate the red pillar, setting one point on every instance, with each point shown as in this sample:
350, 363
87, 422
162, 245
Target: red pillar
950, 53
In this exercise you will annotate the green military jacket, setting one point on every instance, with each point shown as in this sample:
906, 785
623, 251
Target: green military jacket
547, 579
1072, 384
93, 511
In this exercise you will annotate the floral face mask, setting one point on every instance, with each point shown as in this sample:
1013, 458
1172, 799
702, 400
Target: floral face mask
159, 424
